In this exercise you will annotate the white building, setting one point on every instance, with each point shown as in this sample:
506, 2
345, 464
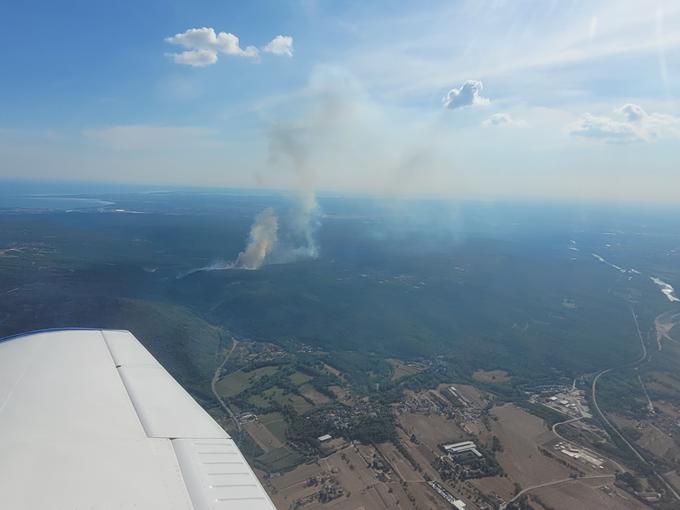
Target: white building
464, 446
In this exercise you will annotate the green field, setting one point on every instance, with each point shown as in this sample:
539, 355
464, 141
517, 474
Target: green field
259, 401
298, 378
311, 393
280, 459
236, 382
276, 424
283, 398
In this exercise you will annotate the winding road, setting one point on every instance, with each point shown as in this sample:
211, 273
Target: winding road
604, 418
570, 420
216, 377
610, 426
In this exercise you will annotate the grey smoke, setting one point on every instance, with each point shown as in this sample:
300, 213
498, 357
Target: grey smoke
287, 146
291, 146
261, 241
298, 148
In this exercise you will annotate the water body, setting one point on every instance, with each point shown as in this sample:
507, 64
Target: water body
51, 195
666, 289
50, 202
605, 261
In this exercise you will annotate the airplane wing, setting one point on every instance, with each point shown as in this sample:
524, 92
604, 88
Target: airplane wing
90, 420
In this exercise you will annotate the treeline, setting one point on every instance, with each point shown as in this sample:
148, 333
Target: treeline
620, 392
373, 428
365, 371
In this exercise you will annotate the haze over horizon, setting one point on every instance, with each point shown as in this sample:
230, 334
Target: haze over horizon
533, 100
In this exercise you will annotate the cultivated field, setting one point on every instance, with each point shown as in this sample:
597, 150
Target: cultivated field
234, 383
402, 468
587, 495
674, 478
308, 391
280, 395
363, 487
275, 423
520, 435
491, 376
651, 437
279, 459
401, 369
263, 436
432, 430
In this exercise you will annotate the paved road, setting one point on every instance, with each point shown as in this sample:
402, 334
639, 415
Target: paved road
593, 390
216, 377
604, 418
636, 363
570, 420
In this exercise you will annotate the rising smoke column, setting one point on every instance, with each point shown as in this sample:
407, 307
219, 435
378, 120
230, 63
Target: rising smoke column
332, 128
302, 220
286, 145
261, 241
317, 138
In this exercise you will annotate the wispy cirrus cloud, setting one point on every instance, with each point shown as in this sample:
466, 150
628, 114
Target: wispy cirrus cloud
203, 46
592, 35
630, 124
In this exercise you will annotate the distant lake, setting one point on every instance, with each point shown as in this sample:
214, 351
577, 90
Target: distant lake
49, 202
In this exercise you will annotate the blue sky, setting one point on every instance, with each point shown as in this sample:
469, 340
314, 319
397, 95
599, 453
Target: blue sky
569, 99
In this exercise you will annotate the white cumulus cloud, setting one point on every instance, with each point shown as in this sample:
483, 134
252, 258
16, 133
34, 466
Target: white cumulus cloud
203, 46
280, 45
196, 58
632, 112
503, 119
631, 124
605, 128
469, 94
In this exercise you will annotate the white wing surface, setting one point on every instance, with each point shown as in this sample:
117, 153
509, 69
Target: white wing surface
90, 420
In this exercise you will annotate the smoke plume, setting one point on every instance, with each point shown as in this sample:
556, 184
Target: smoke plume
293, 143
261, 241
287, 147
299, 223
334, 131
324, 124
